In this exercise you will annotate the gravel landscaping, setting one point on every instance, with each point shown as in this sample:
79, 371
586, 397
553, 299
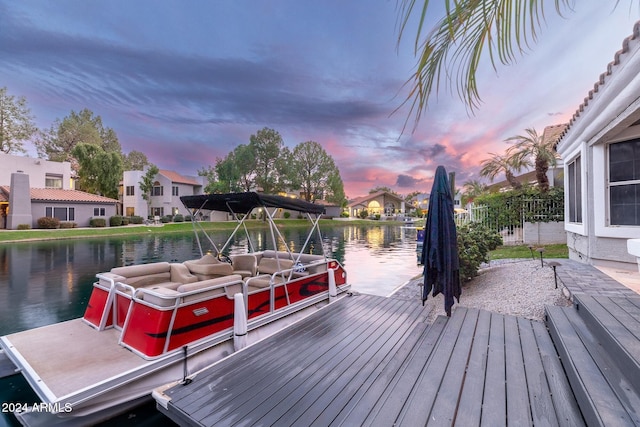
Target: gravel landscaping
516, 287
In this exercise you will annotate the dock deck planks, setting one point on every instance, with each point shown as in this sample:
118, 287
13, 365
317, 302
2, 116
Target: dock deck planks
369, 360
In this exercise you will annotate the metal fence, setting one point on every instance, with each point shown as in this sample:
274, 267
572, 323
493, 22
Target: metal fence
509, 220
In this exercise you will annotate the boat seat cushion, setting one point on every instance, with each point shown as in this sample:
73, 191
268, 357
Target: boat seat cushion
158, 300
214, 286
144, 274
273, 265
245, 265
208, 267
181, 274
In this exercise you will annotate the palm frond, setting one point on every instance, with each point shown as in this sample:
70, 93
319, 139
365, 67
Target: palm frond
452, 50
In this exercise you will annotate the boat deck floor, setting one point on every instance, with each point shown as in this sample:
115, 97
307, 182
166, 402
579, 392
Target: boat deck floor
71, 356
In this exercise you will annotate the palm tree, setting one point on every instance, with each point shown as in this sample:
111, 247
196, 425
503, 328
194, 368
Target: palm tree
472, 189
534, 146
498, 164
453, 49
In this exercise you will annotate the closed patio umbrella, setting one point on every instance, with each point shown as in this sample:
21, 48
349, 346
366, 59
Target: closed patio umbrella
440, 247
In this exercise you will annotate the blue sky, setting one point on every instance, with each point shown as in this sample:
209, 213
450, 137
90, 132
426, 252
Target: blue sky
186, 82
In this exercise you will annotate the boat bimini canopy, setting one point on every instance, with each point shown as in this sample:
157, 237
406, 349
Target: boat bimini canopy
240, 206
245, 202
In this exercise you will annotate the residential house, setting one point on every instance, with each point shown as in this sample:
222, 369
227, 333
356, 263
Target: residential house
380, 203
165, 196
601, 153
33, 188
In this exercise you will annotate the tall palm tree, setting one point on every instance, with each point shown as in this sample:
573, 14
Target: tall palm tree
533, 146
498, 164
453, 48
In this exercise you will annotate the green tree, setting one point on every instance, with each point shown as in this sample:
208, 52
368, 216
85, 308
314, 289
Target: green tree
452, 50
532, 147
498, 164
134, 161
335, 186
58, 142
16, 123
146, 184
312, 168
99, 171
266, 145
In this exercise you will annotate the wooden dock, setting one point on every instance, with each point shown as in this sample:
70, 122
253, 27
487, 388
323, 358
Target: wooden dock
374, 361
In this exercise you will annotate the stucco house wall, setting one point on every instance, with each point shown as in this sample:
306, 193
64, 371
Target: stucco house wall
169, 203
599, 216
37, 169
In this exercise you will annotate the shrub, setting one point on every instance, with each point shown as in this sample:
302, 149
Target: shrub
286, 215
68, 224
363, 214
125, 220
97, 222
475, 241
376, 217
178, 218
188, 218
165, 219
115, 221
344, 214
24, 226
135, 219
48, 222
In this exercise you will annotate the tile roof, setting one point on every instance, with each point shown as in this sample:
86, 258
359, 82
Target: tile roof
552, 133
60, 195
603, 77
177, 178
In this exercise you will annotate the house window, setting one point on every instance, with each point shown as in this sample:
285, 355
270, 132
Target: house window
624, 183
574, 194
157, 191
157, 212
99, 212
62, 213
174, 191
130, 211
130, 190
53, 181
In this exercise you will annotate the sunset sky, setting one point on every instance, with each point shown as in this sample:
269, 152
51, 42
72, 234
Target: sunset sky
186, 82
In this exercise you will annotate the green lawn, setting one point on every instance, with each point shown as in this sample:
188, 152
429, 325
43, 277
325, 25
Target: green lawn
523, 251
74, 233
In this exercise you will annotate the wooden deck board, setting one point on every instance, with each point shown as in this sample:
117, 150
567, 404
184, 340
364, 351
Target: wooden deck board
470, 405
385, 367
446, 402
542, 410
564, 403
518, 409
233, 390
596, 405
345, 378
494, 409
388, 396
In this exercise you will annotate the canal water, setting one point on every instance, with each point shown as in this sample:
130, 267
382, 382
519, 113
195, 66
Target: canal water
50, 281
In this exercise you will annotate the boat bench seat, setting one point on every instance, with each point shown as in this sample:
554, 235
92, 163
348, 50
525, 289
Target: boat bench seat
266, 268
157, 274
311, 264
210, 288
208, 267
